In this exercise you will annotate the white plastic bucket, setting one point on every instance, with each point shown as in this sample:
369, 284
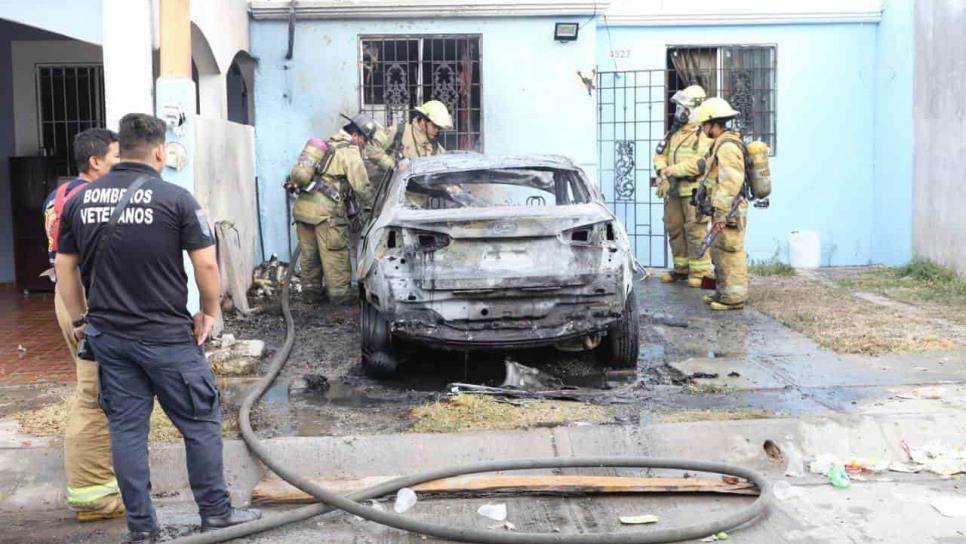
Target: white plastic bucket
804, 249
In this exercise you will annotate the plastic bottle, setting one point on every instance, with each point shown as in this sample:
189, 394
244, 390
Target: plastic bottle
838, 477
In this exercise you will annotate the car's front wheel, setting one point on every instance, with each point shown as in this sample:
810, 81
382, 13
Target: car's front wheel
377, 357
621, 346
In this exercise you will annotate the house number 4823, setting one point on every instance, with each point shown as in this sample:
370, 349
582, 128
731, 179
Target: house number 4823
620, 53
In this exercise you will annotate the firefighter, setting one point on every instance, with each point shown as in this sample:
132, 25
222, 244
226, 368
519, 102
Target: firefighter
725, 183
420, 136
378, 154
322, 217
680, 161
92, 489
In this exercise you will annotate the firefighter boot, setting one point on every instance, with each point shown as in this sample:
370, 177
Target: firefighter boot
673, 276
721, 306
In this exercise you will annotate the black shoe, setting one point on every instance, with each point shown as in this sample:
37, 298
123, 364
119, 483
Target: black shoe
142, 537
234, 516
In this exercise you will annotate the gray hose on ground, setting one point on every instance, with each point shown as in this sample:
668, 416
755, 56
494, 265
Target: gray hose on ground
351, 503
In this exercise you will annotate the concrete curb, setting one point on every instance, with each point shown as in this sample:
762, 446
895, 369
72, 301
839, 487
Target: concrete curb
32, 479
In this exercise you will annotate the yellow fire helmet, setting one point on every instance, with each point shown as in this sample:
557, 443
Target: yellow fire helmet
714, 108
691, 97
436, 112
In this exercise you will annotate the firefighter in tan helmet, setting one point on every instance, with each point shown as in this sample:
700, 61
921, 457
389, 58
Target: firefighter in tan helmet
679, 161
725, 184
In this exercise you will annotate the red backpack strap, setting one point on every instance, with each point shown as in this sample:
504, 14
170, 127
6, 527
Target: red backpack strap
60, 200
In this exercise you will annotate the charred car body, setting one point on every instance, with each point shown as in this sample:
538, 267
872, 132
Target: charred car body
465, 251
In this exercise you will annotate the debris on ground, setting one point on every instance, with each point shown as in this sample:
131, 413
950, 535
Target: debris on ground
773, 452
496, 512
528, 378
838, 477
405, 499
935, 458
784, 491
951, 507
621, 395
466, 412
716, 537
268, 277
51, 420
704, 375
795, 462
639, 520
21, 349
665, 319
709, 388
233, 357
734, 374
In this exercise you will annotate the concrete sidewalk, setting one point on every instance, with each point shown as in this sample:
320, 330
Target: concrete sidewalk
37, 493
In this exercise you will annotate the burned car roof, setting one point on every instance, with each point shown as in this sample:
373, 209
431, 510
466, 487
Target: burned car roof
462, 161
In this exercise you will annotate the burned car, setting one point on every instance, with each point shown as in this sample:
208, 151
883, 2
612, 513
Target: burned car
469, 252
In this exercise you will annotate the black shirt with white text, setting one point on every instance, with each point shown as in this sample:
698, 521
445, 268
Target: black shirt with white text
141, 289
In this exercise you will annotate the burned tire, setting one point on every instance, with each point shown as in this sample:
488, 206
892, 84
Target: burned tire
620, 348
377, 357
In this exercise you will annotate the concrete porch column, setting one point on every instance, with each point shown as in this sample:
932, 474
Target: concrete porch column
128, 64
175, 103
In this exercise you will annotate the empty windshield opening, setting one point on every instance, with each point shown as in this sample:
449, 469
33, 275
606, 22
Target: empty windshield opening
531, 187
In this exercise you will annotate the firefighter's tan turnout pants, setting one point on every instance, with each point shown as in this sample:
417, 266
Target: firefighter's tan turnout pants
91, 485
731, 263
325, 255
686, 230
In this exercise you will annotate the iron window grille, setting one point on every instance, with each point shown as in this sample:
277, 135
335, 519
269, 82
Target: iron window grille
398, 73
744, 75
70, 99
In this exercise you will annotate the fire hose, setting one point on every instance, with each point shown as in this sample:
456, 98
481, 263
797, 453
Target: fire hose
352, 503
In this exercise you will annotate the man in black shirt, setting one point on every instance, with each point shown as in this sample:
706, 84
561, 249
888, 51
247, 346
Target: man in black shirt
137, 323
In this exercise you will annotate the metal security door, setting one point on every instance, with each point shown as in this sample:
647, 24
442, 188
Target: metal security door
630, 123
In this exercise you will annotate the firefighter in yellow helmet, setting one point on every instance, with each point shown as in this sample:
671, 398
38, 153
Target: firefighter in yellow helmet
679, 161
322, 212
726, 204
420, 136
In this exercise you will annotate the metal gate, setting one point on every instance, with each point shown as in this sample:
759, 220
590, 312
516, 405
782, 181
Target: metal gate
630, 123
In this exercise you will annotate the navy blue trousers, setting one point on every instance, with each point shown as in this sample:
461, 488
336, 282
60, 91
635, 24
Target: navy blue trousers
131, 374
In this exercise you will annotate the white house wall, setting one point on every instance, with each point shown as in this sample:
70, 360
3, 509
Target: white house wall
25, 55
533, 101
939, 223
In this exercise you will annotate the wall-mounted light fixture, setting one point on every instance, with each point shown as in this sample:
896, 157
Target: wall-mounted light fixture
565, 32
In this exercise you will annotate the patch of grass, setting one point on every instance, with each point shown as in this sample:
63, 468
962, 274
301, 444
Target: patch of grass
771, 268
695, 388
926, 271
915, 283
467, 412
51, 420
712, 415
836, 320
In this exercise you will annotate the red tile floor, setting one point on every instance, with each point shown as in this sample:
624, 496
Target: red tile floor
29, 321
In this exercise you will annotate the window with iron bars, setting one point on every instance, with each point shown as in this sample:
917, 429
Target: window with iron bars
70, 99
399, 73
744, 75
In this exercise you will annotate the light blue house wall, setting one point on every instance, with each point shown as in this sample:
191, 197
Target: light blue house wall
533, 101
894, 133
843, 162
